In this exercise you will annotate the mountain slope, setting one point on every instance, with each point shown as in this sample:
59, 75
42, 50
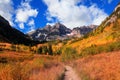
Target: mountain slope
108, 32
12, 35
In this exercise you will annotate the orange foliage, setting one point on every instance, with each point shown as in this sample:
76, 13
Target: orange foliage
25, 66
104, 66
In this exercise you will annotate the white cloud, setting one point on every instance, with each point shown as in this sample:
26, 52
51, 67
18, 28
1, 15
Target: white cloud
4, 1
7, 10
24, 15
50, 24
31, 23
25, 12
98, 14
72, 15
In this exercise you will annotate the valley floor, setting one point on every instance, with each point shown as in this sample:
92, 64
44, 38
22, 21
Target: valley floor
26, 66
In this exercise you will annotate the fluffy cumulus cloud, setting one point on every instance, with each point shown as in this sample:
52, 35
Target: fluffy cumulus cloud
7, 10
25, 14
32, 24
72, 13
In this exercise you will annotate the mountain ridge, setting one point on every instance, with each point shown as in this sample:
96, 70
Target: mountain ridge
59, 31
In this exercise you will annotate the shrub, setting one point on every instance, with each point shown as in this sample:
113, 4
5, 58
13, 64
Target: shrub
68, 54
58, 52
92, 50
50, 51
39, 50
44, 50
13, 47
89, 51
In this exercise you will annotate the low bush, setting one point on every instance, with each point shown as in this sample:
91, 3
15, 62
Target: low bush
68, 54
39, 50
45, 50
93, 49
57, 52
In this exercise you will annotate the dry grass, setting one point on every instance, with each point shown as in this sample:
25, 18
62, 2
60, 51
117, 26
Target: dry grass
52, 73
24, 66
104, 66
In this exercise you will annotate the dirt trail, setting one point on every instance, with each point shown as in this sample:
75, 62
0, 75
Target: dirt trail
70, 74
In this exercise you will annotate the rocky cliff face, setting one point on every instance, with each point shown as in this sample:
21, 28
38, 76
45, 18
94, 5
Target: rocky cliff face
81, 31
59, 31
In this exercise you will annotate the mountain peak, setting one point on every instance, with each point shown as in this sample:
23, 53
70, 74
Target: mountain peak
59, 25
47, 27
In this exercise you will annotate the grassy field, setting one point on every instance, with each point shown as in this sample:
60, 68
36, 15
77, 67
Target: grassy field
26, 66
105, 66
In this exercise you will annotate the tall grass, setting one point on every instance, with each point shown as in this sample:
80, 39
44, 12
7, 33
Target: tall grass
68, 54
35, 68
99, 67
14, 72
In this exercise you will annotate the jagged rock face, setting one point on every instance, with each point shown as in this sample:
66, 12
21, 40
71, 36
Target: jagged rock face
59, 31
118, 6
81, 31
114, 16
117, 11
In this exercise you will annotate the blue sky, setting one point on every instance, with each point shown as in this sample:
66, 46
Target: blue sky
28, 15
